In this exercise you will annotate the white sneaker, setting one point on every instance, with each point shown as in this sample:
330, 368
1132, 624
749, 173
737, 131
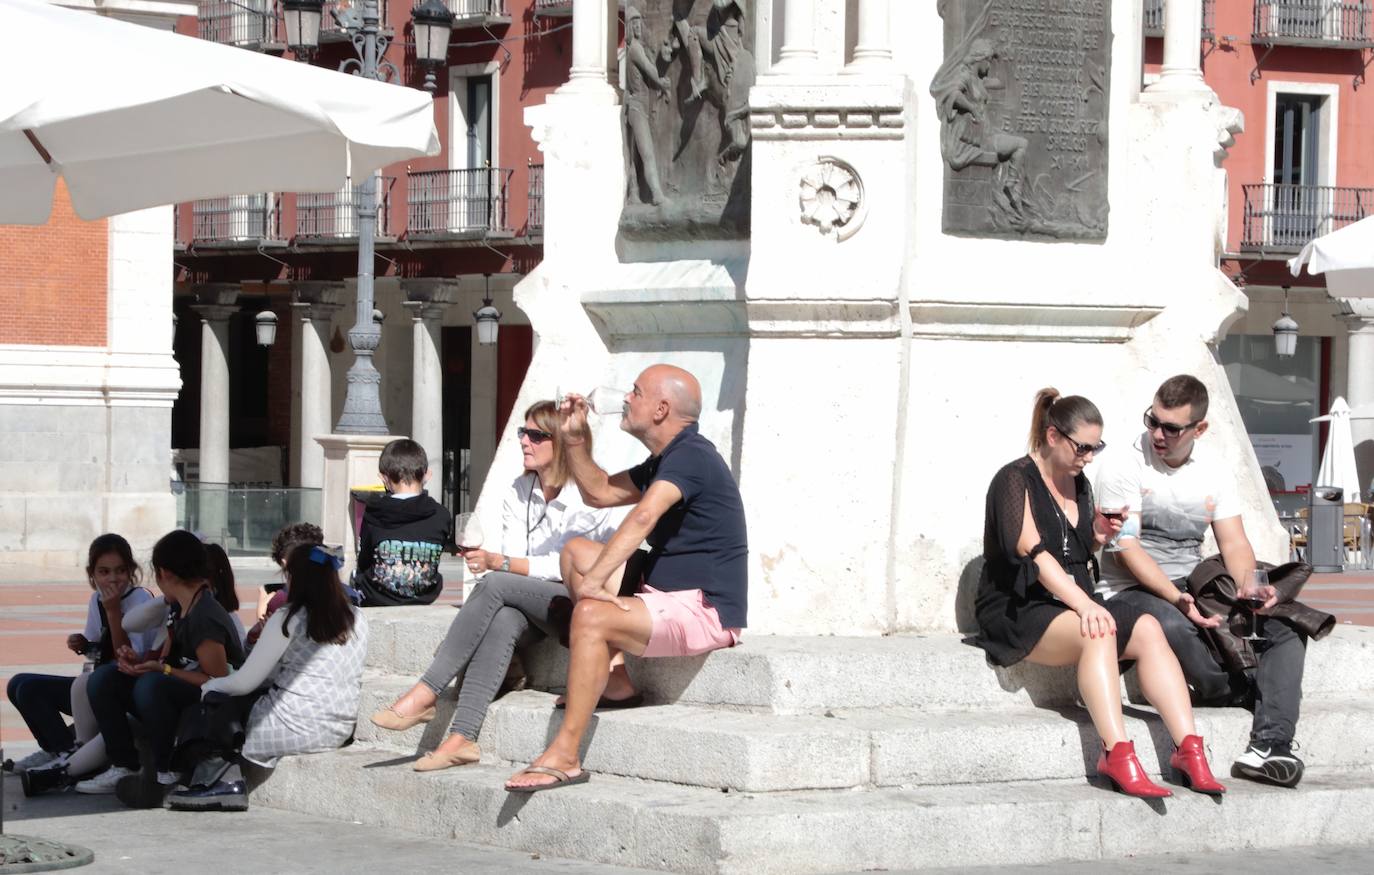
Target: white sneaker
36, 760
105, 781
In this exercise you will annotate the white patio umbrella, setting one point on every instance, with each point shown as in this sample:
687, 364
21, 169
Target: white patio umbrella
133, 117
1338, 458
1345, 256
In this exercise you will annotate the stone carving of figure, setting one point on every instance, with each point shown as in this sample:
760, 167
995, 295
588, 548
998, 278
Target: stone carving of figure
643, 84
718, 49
967, 137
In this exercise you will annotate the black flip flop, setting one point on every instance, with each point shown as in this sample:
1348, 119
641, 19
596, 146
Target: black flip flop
605, 704
561, 779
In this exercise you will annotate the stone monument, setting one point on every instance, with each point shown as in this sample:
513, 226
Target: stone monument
688, 68
1022, 99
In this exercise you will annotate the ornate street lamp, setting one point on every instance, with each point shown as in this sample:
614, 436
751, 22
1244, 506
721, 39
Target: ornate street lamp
1285, 332
266, 325
302, 19
433, 23
488, 318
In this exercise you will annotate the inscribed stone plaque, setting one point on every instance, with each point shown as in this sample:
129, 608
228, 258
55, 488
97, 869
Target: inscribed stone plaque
688, 67
1023, 96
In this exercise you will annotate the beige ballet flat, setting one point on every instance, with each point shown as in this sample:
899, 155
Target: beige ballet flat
434, 761
388, 718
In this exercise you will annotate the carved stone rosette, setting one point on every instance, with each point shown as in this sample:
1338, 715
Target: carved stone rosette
832, 198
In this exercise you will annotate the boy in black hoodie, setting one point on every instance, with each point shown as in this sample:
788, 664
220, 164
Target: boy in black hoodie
403, 533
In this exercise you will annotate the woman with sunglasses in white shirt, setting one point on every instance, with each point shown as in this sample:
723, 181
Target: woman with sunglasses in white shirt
520, 600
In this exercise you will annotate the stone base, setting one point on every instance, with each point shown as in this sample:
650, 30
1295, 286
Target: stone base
350, 462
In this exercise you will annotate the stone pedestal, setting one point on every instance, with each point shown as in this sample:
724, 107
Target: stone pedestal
350, 461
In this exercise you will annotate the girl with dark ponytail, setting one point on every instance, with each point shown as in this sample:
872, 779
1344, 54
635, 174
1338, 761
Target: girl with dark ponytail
1037, 597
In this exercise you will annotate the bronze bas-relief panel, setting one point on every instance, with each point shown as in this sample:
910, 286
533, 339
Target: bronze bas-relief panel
687, 71
1023, 96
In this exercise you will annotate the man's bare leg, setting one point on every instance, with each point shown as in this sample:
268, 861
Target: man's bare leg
598, 630
577, 558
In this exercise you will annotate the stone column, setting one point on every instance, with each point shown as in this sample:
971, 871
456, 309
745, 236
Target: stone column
426, 300
798, 51
314, 304
1181, 72
595, 38
873, 51
215, 304
1358, 315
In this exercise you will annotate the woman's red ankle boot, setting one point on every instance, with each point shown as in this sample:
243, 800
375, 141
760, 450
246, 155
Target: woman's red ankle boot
1190, 758
1120, 765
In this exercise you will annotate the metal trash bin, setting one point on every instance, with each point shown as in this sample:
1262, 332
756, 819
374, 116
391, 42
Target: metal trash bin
1326, 529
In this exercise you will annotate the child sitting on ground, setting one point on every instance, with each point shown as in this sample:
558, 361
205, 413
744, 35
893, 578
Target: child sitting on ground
403, 533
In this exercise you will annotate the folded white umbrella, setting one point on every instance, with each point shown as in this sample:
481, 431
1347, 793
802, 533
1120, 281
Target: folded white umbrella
133, 117
1338, 459
1345, 256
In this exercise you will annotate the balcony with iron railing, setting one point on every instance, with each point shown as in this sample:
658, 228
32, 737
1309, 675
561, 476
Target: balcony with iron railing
329, 217
249, 24
534, 225
1323, 23
1283, 218
1154, 18
454, 204
241, 220
553, 8
477, 13
331, 32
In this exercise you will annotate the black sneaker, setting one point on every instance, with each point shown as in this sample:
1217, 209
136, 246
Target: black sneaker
219, 796
39, 781
1269, 763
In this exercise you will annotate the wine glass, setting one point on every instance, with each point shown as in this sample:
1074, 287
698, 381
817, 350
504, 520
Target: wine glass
1253, 592
1115, 510
467, 532
603, 400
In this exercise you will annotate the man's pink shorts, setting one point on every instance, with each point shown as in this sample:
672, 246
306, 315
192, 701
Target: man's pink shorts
684, 624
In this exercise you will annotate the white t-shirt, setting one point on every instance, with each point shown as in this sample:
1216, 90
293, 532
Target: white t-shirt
142, 640
538, 531
1175, 506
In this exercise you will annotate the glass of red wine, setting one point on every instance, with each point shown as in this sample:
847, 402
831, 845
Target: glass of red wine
467, 532
1253, 592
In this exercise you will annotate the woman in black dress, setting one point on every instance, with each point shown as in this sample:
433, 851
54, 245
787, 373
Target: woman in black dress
1036, 598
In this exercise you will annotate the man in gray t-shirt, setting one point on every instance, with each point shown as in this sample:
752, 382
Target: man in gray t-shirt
1174, 493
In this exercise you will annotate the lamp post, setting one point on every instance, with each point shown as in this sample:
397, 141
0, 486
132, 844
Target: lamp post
362, 408
433, 24
265, 324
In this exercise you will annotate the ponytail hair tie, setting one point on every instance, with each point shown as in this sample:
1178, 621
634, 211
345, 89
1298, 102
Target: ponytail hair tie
322, 555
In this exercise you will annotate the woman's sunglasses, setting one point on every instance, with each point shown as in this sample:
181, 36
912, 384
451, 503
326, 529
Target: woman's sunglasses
1153, 422
535, 435
1081, 450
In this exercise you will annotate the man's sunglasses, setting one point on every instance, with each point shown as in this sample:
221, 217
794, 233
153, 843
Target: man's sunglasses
1152, 422
1081, 450
535, 435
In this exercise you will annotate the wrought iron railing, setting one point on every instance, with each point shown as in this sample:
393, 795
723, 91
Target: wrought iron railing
248, 23
243, 520
466, 11
1346, 23
553, 7
1283, 218
329, 28
459, 201
334, 214
237, 218
535, 223
1154, 18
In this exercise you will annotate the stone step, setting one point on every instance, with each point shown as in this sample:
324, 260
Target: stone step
695, 830
892, 747
810, 675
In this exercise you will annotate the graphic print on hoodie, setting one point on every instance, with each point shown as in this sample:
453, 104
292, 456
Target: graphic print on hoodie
399, 548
